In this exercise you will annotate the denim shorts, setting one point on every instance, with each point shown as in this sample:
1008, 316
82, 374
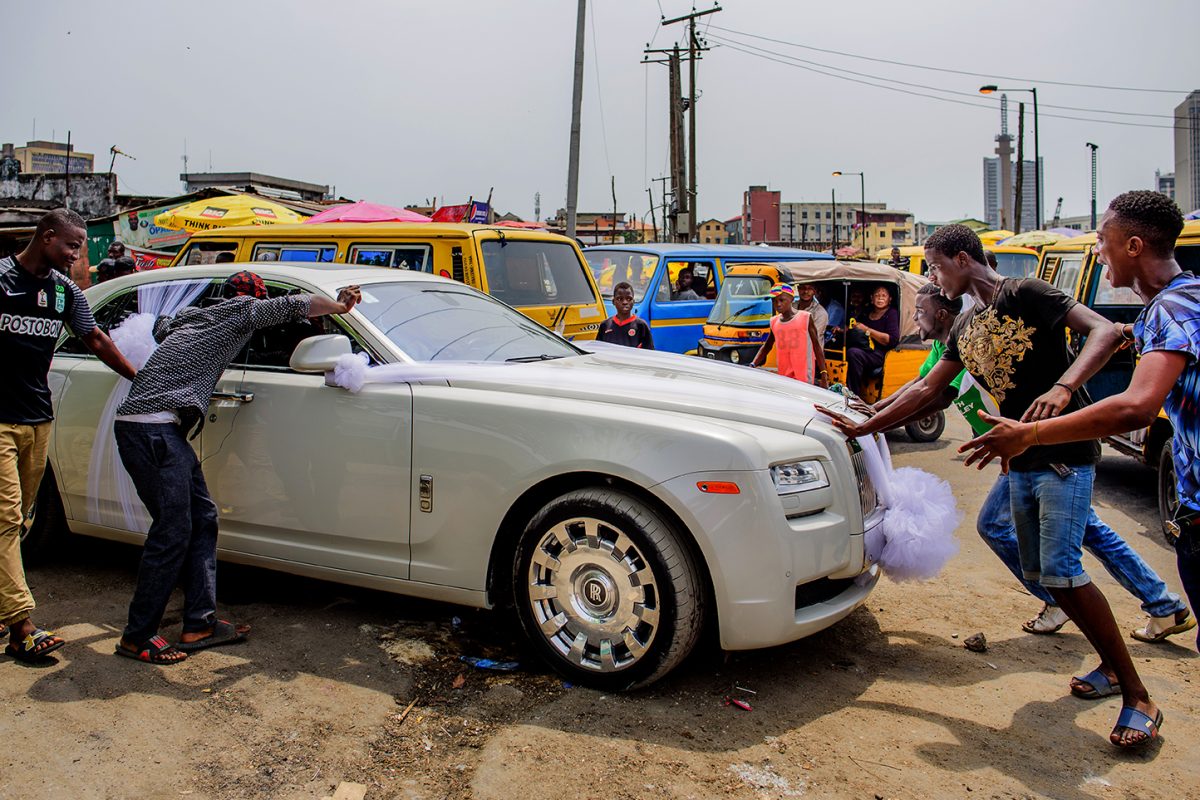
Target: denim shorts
1050, 513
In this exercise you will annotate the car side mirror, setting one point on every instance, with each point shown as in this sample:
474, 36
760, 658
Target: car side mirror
319, 353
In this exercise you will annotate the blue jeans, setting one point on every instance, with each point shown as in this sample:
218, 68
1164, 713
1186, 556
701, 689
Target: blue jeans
996, 528
181, 544
1187, 552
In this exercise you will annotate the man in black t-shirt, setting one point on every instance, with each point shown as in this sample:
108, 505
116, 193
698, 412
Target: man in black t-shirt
36, 300
1013, 341
623, 327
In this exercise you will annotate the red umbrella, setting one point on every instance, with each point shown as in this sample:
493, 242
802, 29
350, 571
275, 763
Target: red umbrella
366, 212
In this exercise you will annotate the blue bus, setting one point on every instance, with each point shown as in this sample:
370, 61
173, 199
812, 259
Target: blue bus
660, 275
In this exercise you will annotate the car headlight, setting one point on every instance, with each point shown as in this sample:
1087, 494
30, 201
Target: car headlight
799, 476
734, 357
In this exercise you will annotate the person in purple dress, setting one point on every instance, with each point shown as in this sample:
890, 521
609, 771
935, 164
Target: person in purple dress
881, 325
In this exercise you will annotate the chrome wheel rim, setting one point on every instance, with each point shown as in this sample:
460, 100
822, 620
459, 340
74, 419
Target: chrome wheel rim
927, 424
593, 595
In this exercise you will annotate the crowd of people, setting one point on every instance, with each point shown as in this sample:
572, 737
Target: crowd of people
1004, 361
1012, 343
167, 401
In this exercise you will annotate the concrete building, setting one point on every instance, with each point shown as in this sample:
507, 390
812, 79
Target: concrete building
885, 229
52, 157
733, 230
266, 185
1083, 222
994, 200
760, 215
712, 231
1164, 183
816, 225
1187, 153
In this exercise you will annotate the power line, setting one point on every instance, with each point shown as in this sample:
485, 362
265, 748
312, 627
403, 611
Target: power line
599, 93
791, 63
960, 93
953, 71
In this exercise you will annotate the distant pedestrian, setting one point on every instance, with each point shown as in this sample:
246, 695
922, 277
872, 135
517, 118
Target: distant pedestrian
36, 300
115, 268
107, 265
806, 300
166, 401
792, 336
624, 327
898, 261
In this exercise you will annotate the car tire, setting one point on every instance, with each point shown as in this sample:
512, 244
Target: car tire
46, 529
1168, 493
606, 590
927, 429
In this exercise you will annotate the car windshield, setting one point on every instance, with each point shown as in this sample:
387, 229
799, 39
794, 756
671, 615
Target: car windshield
448, 322
1017, 265
743, 301
610, 267
535, 273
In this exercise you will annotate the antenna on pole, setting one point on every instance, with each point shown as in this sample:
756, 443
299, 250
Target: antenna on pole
116, 151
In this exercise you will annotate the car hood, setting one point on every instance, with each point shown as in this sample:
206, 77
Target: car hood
662, 381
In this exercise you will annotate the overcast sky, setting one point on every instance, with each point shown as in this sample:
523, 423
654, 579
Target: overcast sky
397, 102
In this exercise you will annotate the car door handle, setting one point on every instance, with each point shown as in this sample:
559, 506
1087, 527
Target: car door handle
237, 397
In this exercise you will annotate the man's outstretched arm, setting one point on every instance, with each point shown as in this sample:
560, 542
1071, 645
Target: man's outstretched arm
923, 393
102, 347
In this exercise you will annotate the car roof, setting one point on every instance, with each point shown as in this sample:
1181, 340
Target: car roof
327, 277
716, 250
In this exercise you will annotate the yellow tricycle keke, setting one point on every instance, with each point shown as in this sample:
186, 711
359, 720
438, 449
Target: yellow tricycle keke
741, 315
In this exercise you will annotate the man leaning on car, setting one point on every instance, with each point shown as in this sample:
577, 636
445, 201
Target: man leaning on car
168, 399
36, 300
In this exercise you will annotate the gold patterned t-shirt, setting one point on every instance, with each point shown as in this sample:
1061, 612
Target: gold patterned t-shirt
1016, 346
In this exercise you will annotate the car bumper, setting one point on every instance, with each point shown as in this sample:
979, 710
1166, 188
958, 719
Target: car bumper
779, 574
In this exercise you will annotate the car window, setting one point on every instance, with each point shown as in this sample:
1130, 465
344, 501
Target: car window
703, 282
321, 253
1109, 295
610, 267
271, 348
206, 252
533, 273
441, 321
1017, 265
416, 257
1188, 257
1068, 273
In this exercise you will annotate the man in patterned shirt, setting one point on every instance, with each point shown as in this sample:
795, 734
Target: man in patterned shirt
36, 300
1013, 341
1136, 241
168, 398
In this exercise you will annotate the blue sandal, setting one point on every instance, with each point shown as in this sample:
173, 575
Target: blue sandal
1101, 686
1134, 720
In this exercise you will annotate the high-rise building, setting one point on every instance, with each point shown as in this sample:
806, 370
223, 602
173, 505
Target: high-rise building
1164, 183
993, 200
1187, 152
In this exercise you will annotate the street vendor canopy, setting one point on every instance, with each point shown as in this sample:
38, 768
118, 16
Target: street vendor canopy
367, 212
224, 212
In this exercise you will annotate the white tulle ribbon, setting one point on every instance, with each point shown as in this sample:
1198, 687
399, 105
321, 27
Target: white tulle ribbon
916, 537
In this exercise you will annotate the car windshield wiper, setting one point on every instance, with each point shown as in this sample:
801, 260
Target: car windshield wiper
541, 357
739, 313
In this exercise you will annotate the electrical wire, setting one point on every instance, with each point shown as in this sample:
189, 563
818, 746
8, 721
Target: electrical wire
959, 93
952, 71
791, 63
599, 93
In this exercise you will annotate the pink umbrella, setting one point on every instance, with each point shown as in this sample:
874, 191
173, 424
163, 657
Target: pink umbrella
366, 212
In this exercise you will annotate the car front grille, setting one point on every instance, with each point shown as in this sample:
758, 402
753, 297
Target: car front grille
866, 490
822, 590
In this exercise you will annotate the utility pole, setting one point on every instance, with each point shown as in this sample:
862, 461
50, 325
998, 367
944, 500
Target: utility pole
576, 106
1019, 204
833, 218
614, 194
695, 47
67, 174
653, 221
1094, 148
665, 228
678, 188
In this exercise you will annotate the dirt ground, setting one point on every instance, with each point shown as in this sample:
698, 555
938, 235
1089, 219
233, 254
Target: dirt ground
887, 704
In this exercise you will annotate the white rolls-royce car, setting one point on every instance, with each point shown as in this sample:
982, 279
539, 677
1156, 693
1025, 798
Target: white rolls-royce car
617, 501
